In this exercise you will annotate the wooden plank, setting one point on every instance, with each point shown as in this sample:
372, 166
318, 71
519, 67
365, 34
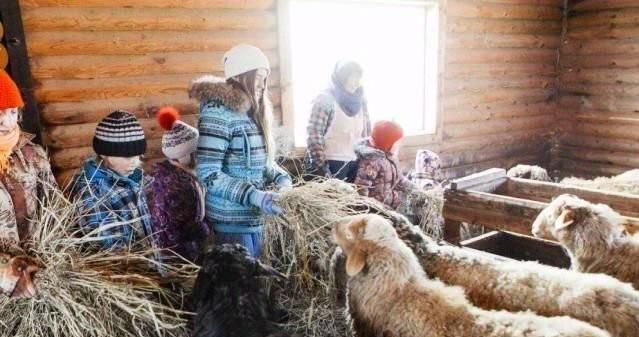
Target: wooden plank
601, 76
502, 11
478, 143
19, 68
594, 5
625, 204
487, 180
587, 88
611, 61
498, 71
616, 158
499, 26
492, 153
479, 41
608, 103
629, 31
110, 66
604, 18
503, 55
500, 96
471, 114
600, 47
60, 91
464, 170
496, 126
600, 143
216, 4
145, 19
137, 43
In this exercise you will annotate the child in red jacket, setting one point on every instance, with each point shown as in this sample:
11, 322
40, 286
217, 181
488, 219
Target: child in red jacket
378, 173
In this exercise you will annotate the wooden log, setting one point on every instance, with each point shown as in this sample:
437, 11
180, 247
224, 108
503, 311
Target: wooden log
464, 170
101, 66
493, 153
485, 181
554, 3
212, 4
502, 11
4, 56
502, 96
604, 18
616, 61
590, 116
145, 19
604, 32
470, 114
608, 103
498, 71
595, 5
608, 130
625, 204
60, 91
594, 169
586, 88
94, 111
496, 126
599, 143
503, 55
137, 43
491, 210
478, 143
74, 157
499, 26
615, 158
480, 41
600, 47
81, 135
606, 76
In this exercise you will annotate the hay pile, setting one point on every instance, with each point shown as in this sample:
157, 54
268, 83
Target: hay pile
627, 182
427, 208
299, 244
84, 292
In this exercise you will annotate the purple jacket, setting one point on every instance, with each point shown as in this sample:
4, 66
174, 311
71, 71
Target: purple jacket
176, 202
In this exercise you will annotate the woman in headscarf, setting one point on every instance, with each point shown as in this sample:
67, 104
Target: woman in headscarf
339, 119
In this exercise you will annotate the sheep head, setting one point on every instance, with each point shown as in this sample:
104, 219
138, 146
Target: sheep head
358, 234
544, 225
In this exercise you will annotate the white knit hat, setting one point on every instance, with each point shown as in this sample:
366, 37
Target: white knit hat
179, 139
243, 58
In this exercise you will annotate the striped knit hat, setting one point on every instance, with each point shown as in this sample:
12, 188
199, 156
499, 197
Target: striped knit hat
119, 135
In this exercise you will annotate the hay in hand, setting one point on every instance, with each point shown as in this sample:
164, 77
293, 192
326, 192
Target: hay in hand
299, 244
84, 292
627, 182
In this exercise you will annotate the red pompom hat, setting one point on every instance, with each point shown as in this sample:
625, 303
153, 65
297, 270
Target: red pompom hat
9, 93
179, 139
385, 134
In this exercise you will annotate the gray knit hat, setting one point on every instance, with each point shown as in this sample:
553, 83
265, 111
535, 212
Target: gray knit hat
119, 135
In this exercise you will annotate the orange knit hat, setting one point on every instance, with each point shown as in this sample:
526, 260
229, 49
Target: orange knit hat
9, 92
385, 134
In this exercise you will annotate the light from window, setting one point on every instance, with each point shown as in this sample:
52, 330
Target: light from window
395, 43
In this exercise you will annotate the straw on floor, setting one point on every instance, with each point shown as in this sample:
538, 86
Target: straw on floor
84, 292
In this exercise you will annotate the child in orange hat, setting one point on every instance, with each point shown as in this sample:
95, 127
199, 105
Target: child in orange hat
378, 173
25, 172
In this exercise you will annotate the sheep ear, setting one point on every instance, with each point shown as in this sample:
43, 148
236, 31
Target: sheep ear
355, 261
565, 219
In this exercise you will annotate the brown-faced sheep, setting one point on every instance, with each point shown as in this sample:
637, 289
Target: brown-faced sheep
390, 295
599, 299
529, 172
593, 235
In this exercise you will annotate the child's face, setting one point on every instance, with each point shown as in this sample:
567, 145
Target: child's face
187, 161
125, 166
8, 120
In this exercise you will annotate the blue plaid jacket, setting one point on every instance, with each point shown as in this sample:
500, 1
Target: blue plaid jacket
115, 204
231, 155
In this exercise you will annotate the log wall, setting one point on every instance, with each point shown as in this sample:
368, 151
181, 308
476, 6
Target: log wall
89, 57
499, 83
599, 84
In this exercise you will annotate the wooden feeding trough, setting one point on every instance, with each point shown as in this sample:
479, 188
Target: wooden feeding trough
494, 200
512, 246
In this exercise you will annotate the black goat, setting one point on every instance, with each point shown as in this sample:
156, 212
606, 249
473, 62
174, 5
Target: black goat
231, 299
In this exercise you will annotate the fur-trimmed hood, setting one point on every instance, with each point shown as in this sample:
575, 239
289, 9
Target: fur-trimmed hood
209, 88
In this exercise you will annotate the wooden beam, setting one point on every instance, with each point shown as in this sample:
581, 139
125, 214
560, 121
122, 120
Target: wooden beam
625, 204
486, 181
19, 68
229, 4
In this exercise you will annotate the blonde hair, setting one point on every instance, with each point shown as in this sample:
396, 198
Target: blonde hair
261, 111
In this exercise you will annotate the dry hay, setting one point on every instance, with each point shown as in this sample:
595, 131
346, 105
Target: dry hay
427, 208
627, 182
299, 244
85, 292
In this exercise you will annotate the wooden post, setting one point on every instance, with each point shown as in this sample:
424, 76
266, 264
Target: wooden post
11, 19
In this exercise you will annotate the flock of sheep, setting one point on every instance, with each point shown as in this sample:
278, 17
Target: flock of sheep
394, 281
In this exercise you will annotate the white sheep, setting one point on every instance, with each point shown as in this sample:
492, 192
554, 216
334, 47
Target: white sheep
598, 299
529, 172
593, 235
390, 295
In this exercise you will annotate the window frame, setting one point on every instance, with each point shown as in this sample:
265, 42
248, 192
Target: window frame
286, 79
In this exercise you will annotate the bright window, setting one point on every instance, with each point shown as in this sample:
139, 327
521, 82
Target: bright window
394, 41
